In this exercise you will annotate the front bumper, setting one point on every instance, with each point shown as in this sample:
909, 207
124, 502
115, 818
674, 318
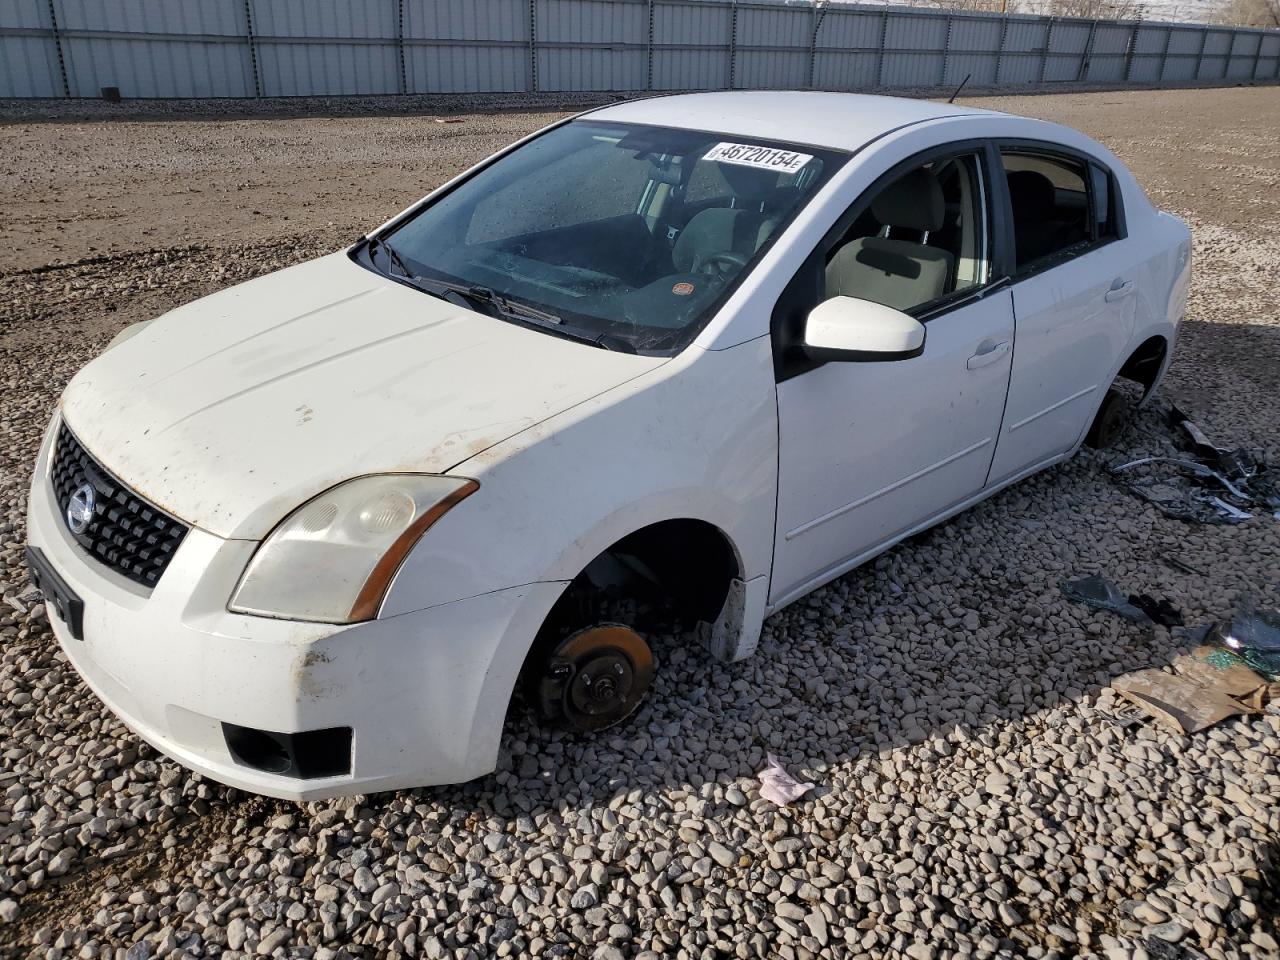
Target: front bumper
425, 693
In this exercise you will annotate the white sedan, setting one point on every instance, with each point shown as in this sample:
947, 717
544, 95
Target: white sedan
307, 535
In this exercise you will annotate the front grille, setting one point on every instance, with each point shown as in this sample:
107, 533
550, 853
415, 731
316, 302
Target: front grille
127, 534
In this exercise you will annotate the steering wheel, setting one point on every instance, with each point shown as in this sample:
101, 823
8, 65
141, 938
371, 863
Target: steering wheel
721, 264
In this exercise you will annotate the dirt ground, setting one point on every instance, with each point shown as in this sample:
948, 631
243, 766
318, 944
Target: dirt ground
110, 221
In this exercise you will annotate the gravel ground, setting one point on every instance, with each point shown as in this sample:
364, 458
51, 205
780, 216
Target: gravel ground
973, 797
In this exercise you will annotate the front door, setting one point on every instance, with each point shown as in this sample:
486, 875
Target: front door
868, 450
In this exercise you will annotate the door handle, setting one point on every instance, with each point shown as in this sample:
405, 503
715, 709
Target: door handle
1119, 290
988, 352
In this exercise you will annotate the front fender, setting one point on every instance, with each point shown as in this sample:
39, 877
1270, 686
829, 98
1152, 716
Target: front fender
695, 438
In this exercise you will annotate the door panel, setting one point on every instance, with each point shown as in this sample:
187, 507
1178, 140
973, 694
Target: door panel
868, 450
1072, 322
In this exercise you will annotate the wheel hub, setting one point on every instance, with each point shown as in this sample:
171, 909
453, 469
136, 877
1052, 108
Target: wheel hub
597, 676
601, 681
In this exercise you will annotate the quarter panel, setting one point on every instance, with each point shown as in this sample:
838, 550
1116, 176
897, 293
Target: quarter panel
1163, 279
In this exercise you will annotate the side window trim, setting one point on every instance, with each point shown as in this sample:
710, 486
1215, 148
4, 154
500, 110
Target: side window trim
998, 241
1090, 164
1115, 203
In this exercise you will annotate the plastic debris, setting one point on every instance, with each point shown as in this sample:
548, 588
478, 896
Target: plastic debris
1253, 636
1101, 594
1241, 466
778, 786
1183, 489
1213, 485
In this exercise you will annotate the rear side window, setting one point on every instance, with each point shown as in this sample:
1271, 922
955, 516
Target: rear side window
1053, 201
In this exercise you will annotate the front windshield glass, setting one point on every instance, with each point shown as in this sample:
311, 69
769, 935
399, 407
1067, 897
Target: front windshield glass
628, 236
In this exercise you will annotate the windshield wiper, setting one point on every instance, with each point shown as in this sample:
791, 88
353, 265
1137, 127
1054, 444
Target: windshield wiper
513, 308
472, 292
436, 288
390, 251
477, 295
532, 316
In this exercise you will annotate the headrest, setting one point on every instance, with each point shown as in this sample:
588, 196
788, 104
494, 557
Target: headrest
1032, 194
747, 182
913, 202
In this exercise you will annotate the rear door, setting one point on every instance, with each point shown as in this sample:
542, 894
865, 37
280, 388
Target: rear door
1072, 299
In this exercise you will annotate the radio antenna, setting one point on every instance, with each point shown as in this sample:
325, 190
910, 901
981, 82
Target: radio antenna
959, 88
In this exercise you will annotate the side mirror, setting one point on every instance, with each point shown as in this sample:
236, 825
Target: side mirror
846, 328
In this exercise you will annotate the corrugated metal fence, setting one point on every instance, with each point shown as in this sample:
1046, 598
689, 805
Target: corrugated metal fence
274, 48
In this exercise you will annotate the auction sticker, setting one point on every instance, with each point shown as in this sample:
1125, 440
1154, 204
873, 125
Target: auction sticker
763, 158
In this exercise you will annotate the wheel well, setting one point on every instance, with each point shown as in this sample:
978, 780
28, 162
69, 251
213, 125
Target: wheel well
690, 561
685, 566
1143, 365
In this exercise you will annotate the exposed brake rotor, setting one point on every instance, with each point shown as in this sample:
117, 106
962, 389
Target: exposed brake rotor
596, 677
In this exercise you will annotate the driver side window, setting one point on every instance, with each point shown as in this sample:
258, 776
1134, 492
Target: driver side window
920, 238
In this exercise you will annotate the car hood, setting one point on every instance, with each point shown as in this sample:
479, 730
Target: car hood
231, 411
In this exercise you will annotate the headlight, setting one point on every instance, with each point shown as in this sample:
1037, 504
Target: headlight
332, 559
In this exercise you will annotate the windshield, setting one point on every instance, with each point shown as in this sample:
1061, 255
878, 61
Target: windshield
623, 235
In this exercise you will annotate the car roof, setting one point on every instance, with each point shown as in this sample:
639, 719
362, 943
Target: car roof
839, 121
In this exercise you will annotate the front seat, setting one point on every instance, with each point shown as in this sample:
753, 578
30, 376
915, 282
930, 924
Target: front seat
898, 273
739, 229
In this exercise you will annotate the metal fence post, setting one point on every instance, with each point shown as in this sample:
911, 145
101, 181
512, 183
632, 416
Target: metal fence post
648, 84
815, 16
1164, 54
62, 61
1083, 72
1048, 48
1204, 40
404, 73
884, 36
946, 50
1231, 52
1004, 33
733, 42
253, 47
533, 46
1130, 50
1257, 57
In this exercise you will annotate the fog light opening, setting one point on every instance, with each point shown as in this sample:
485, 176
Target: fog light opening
257, 749
308, 755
